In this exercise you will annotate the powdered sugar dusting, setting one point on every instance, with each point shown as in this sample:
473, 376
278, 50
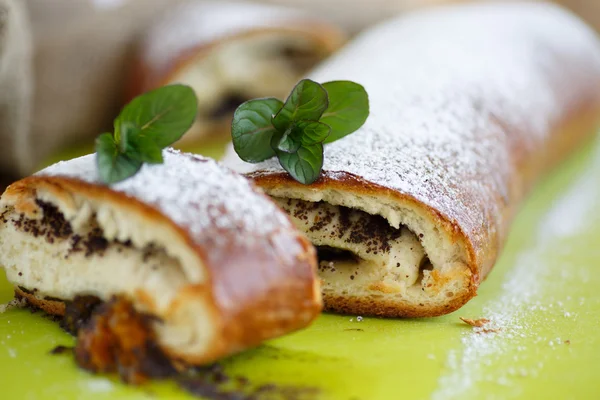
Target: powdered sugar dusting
459, 96
528, 302
98, 385
197, 193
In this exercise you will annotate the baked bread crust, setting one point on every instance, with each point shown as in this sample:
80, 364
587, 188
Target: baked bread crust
461, 127
243, 273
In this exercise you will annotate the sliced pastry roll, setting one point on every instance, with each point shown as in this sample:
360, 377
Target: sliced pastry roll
470, 105
187, 249
229, 53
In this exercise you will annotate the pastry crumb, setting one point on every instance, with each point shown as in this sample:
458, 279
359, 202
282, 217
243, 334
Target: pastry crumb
481, 325
487, 330
476, 323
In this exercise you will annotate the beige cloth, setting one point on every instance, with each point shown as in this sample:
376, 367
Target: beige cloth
15, 88
82, 52
589, 10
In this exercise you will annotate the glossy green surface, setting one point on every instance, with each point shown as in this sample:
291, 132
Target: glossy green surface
543, 295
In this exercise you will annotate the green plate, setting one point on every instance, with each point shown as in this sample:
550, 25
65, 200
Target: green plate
542, 295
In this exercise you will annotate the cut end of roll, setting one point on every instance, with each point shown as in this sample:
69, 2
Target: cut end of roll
261, 64
378, 255
63, 238
57, 246
230, 53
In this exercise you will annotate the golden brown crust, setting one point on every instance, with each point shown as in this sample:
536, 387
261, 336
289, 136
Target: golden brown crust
51, 306
255, 292
356, 305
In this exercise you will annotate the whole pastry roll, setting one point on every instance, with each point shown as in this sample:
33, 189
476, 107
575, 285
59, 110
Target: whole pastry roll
185, 261
470, 105
230, 52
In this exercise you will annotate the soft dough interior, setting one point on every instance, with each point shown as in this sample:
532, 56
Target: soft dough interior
62, 250
55, 260
363, 255
266, 64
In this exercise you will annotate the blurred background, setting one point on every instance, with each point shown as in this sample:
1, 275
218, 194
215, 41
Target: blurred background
67, 67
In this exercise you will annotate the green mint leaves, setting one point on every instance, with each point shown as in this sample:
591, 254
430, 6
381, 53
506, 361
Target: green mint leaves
296, 130
348, 108
252, 129
145, 126
308, 101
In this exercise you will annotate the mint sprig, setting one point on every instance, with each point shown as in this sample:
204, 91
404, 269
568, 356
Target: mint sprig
296, 130
145, 126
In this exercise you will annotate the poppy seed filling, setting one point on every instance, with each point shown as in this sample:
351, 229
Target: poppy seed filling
357, 246
54, 227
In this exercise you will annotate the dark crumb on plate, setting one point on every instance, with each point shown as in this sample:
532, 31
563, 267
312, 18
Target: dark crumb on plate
61, 350
206, 387
113, 337
53, 318
241, 381
213, 382
78, 312
119, 339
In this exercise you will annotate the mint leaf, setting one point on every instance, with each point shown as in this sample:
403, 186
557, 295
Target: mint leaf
113, 166
312, 115
348, 108
123, 133
144, 127
307, 101
311, 132
304, 165
144, 149
163, 115
286, 142
300, 133
252, 129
